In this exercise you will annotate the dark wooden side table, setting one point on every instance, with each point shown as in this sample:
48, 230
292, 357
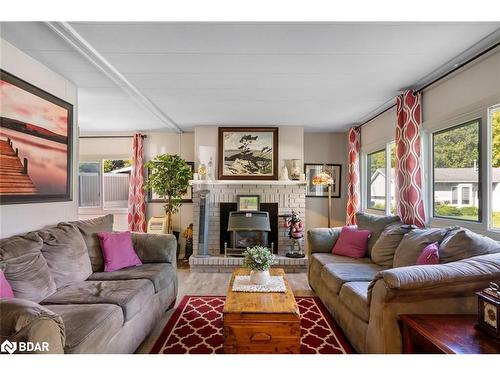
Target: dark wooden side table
449, 334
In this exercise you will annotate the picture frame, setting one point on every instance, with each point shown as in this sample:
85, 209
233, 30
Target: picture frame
186, 198
250, 203
248, 153
36, 131
317, 191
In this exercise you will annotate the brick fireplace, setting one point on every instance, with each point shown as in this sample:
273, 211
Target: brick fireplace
288, 195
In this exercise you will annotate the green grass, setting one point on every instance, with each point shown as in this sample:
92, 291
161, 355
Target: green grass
496, 218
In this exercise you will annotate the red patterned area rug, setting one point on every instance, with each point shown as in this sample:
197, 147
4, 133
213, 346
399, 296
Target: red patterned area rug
196, 328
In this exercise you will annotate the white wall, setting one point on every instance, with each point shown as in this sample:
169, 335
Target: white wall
326, 148
290, 143
19, 218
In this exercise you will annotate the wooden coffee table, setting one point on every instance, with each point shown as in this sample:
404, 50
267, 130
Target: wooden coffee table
261, 323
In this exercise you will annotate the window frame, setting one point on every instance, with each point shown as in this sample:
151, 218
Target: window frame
365, 170
432, 210
489, 160
368, 180
96, 210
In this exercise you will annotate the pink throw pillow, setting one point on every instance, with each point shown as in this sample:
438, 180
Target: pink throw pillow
5, 288
429, 255
352, 242
117, 250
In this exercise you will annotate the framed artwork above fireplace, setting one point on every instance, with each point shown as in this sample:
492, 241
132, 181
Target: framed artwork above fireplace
248, 153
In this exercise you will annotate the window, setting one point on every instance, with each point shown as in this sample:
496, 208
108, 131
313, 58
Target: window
376, 187
454, 195
494, 118
465, 195
89, 180
456, 172
104, 184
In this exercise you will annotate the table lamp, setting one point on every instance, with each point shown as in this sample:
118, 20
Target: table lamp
324, 179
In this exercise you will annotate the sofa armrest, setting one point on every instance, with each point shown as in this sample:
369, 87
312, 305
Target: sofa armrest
456, 278
27, 321
321, 240
155, 248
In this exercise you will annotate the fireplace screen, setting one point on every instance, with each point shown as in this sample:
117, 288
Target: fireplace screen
244, 239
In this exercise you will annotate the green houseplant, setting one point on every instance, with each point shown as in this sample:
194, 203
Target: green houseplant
258, 259
169, 177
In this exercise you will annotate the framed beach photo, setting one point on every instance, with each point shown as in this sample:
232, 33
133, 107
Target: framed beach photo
334, 170
35, 143
248, 202
248, 153
186, 198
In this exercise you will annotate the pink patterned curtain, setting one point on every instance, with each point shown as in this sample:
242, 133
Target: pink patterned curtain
354, 138
409, 200
136, 205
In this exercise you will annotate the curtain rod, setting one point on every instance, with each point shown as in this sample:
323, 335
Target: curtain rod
421, 89
110, 136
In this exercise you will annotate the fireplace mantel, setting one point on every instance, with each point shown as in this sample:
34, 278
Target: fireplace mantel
247, 182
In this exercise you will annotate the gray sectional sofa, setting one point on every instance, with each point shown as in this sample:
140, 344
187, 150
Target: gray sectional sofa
63, 297
366, 296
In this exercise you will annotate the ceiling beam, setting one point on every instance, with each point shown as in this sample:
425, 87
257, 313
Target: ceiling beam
72, 37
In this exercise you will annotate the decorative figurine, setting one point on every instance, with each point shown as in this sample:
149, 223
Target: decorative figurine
284, 174
295, 225
188, 235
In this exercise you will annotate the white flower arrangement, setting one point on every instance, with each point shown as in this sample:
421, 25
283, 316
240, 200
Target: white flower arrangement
258, 258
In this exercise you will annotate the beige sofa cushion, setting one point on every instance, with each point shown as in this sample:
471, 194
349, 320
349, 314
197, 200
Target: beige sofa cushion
66, 254
89, 327
355, 297
25, 268
376, 225
336, 275
414, 242
89, 229
162, 275
130, 295
461, 243
384, 249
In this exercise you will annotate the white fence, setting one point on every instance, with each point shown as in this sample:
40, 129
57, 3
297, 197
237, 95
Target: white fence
115, 190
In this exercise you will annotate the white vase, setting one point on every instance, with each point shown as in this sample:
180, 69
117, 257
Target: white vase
259, 277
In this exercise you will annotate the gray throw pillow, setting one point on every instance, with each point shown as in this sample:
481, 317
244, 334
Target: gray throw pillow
25, 268
66, 254
376, 225
461, 243
384, 249
89, 229
414, 242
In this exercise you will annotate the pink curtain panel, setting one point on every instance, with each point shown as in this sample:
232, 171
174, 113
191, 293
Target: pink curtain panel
354, 138
409, 200
136, 204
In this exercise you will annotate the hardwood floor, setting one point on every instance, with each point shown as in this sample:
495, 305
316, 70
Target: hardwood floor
211, 284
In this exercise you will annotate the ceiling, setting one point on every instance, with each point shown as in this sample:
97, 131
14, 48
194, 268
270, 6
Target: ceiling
323, 76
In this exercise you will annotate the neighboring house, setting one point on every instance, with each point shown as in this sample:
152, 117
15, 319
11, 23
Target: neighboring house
453, 186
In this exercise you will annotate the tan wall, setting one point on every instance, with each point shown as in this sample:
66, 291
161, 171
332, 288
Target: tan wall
326, 148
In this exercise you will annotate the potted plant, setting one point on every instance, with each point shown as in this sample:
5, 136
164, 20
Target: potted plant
258, 259
169, 178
